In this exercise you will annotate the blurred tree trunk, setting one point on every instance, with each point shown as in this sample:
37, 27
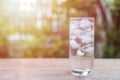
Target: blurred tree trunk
104, 18
4, 49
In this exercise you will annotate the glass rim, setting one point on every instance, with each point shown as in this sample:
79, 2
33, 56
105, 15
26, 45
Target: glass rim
77, 18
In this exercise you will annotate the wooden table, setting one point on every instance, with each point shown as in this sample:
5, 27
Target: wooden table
55, 69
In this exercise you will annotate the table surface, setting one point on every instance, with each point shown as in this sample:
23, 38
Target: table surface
55, 69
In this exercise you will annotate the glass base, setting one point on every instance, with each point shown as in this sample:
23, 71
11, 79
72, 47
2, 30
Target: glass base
78, 72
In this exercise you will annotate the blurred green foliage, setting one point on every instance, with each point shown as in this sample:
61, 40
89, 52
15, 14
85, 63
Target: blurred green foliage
112, 47
49, 41
46, 42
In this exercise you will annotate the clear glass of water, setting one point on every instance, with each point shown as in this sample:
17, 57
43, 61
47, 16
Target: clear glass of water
81, 45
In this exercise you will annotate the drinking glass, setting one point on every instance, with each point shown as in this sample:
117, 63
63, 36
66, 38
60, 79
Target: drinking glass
81, 45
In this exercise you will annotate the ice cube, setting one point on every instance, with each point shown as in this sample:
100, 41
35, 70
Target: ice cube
86, 25
87, 45
74, 44
78, 32
72, 27
78, 40
73, 37
89, 49
86, 39
92, 32
80, 53
89, 28
73, 51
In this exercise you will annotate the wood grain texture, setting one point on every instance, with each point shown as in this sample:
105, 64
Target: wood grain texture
55, 69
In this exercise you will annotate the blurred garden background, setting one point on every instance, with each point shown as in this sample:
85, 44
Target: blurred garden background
40, 28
